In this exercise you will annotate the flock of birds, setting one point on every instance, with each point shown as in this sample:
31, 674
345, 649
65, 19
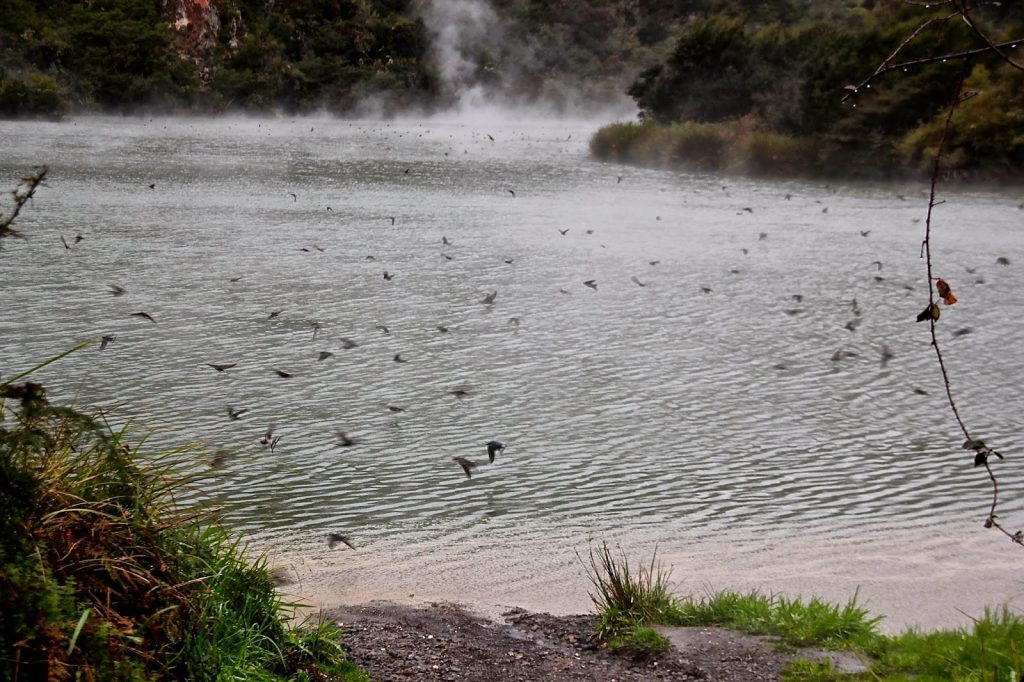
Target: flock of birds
492, 448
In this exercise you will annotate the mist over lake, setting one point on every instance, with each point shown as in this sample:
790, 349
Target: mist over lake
723, 380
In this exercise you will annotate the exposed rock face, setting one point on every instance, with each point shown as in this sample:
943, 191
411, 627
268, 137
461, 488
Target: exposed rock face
196, 22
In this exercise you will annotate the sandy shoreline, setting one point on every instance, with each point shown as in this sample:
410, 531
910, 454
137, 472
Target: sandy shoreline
927, 577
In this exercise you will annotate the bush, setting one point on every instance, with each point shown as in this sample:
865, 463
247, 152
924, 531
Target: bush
103, 576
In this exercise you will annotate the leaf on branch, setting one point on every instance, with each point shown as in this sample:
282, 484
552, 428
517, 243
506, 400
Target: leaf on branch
980, 458
973, 444
945, 292
930, 312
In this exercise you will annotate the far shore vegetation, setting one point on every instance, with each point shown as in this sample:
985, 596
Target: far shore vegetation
789, 97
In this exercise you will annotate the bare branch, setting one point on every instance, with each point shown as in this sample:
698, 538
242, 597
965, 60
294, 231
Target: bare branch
964, 11
22, 194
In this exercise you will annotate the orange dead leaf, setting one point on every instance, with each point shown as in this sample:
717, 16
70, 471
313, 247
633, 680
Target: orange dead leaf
945, 292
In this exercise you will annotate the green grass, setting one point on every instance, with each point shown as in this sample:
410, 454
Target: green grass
632, 598
104, 577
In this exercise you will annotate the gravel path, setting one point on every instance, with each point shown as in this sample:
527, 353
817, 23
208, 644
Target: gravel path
444, 643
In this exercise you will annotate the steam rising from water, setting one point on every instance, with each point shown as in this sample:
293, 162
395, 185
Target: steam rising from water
458, 30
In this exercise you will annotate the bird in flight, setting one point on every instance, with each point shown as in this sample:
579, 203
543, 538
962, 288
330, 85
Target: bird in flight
348, 343
493, 447
467, 465
268, 436
293, 196
107, 338
1002, 260
394, 408
334, 538
459, 393
388, 277
512, 192
886, 356
64, 241
218, 459
865, 233
441, 328
637, 281
398, 358
489, 298
563, 232
323, 355
152, 185
444, 240
274, 313
345, 440
220, 368
282, 374
146, 316
116, 290
591, 283
234, 414
384, 328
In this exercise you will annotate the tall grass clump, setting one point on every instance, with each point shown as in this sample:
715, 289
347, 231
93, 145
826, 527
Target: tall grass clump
629, 599
104, 577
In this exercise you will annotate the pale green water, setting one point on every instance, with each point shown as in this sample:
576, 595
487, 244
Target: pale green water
657, 410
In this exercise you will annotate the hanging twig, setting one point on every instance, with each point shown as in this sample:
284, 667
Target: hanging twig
982, 452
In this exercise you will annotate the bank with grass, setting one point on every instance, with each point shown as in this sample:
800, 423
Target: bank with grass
104, 577
631, 599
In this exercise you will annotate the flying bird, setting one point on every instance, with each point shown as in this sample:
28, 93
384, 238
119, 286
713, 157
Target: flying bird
512, 192
152, 185
762, 236
234, 414
467, 465
218, 459
493, 447
394, 408
316, 328
963, 331
345, 440
489, 298
293, 196
64, 241
444, 240
865, 233
637, 281
79, 237
282, 374
387, 276
116, 290
398, 358
220, 368
591, 283
459, 393
886, 355
323, 355
705, 290
1002, 260
274, 314
268, 437
348, 343
146, 316
384, 328
334, 538
441, 328
563, 232
107, 338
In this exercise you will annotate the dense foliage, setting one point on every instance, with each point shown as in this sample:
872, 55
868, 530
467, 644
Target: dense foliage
124, 54
102, 577
732, 77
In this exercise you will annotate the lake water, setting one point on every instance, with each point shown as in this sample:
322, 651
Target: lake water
689, 401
